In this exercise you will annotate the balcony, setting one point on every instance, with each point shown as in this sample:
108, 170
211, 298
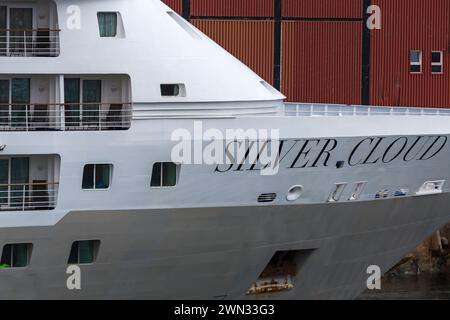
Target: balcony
65, 117
29, 43
65, 103
29, 182
29, 29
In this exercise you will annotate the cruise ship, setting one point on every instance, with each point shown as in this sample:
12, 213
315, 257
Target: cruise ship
95, 204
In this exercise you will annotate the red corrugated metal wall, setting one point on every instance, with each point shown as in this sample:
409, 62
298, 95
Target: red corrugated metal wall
322, 62
322, 48
176, 5
322, 8
322, 58
410, 25
249, 41
232, 8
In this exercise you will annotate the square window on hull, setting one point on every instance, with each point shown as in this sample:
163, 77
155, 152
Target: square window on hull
107, 22
173, 90
97, 176
164, 174
170, 90
16, 255
84, 252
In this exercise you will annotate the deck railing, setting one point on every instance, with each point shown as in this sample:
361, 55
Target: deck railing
28, 196
29, 42
65, 117
311, 110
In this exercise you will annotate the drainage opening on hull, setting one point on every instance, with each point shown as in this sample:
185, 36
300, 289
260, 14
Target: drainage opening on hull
280, 273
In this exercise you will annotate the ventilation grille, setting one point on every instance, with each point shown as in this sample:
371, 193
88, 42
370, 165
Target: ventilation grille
267, 197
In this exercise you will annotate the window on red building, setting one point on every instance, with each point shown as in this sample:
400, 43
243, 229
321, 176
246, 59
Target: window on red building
437, 59
416, 61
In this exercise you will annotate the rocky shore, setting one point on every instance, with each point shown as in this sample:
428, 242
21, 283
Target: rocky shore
431, 257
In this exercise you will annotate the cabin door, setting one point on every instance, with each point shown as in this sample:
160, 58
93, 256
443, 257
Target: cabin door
4, 102
14, 102
3, 27
21, 34
14, 182
90, 94
92, 98
20, 102
72, 92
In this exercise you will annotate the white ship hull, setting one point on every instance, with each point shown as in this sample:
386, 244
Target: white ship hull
162, 244
217, 253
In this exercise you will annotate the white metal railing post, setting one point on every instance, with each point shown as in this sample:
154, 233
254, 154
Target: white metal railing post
26, 117
7, 42
55, 195
23, 198
80, 116
33, 40
100, 117
10, 115
24, 44
61, 106
9, 196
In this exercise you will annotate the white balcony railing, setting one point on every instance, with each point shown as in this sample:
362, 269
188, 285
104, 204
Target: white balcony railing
29, 43
65, 117
28, 196
328, 110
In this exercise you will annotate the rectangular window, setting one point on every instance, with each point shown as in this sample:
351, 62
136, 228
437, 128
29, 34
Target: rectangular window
107, 22
164, 174
84, 252
170, 90
97, 176
416, 61
437, 62
16, 255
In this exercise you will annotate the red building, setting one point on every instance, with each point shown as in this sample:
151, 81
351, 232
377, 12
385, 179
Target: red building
322, 51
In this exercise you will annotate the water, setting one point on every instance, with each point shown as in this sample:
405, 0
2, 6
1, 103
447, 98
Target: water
421, 287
